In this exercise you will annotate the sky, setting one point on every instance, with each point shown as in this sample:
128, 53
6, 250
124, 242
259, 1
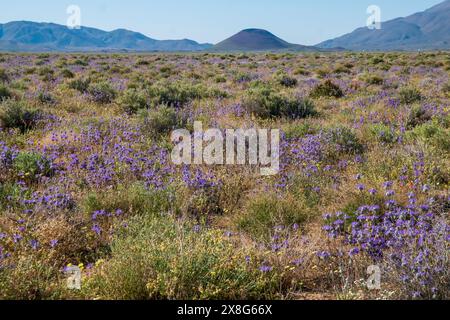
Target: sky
297, 21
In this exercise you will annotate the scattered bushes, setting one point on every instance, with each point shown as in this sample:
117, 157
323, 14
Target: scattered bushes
327, 89
343, 140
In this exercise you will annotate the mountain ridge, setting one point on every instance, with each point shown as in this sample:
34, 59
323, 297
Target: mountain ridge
46, 36
426, 30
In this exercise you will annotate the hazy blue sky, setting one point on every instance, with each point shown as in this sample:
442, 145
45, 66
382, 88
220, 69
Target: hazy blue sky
297, 21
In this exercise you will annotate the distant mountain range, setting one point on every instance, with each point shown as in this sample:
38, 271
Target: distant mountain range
426, 30
32, 36
258, 40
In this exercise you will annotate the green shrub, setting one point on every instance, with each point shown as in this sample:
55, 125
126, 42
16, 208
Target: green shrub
433, 134
409, 95
373, 79
265, 103
175, 94
4, 93
327, 89
446, 88
286, 81
384, 134
18, 115
417, 116
3, 75
66, 73
81, 85
171, 259
302, 72
133, 100
161, 121
102, 92
342, 140
131, 200
32, 166
264, 213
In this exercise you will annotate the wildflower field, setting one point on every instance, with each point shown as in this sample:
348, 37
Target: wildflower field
86, 177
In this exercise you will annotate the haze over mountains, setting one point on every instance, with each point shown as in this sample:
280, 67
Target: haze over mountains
421, 31
426, 30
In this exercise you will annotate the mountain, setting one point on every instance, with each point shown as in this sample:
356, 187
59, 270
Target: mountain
32, 37
258, 40
421, 31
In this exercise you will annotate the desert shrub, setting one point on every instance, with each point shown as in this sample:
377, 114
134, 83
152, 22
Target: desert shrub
418, 115
342, 140
32, 166
302, 72
286, 81
102, 92
265, 103
66, 73
299, 130
28, 279
133, 100
46, 73
327, 89
242, 77
169, 259
81, 85
384, 134
131, 200
373, 79
18, 115
175, 94
431, 133
4, 93
264, 213
45, 97
220, 79
446, 88
3, 75
161, 121
409, 95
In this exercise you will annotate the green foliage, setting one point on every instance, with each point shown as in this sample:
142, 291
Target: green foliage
409, 95
417, 116
286, 81
18, 115
31, 166
3, 75
80, 85
171, 259
4, 93
431, 133
133, 100
265, 212
102, 92
343, 140
384, 134
176, 94
66, 73
265, 103
161, 121
327, 89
